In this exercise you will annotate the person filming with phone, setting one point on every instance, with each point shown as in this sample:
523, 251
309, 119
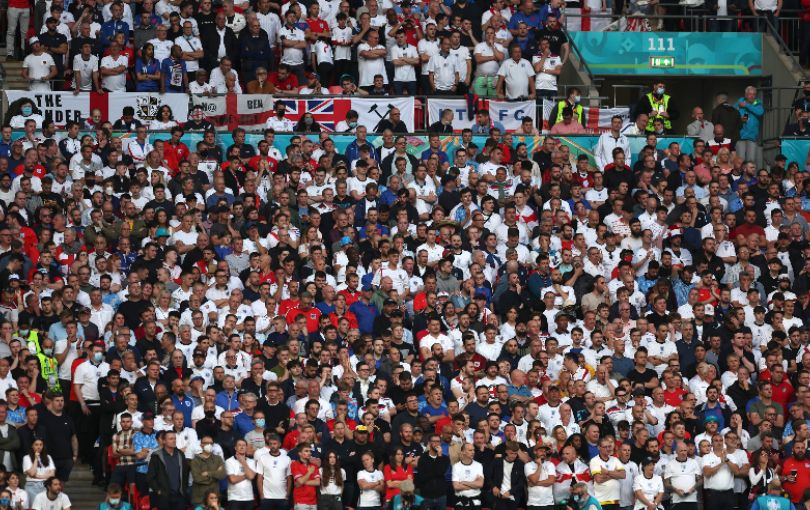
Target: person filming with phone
795, 473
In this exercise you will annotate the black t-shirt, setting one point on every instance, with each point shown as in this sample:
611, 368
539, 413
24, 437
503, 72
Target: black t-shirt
556, 39
59, 430
636, 377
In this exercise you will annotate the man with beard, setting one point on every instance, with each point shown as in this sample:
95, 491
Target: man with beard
795, 475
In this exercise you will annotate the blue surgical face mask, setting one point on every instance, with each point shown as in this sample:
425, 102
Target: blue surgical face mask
26, 110
660, 91
47, 352
97, 357
260, 423
5, 501
112, 501
352, 124
577, 99
576, 498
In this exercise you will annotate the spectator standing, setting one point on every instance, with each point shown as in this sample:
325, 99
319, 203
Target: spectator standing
751, 112
168, 474
515, 77
113, 70
371, 61
39, 67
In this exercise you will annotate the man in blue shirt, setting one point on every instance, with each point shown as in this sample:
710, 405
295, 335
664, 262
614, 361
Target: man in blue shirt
435, 148
483, 124
115, 25
227, 399
365, 310
527, 14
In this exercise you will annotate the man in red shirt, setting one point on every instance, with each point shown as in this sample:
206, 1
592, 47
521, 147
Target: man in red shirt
175, 151
796, 473
285, 83
306, 477
263, 155
305, 308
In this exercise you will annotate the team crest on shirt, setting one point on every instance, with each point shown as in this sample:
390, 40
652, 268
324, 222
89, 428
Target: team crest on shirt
147, 107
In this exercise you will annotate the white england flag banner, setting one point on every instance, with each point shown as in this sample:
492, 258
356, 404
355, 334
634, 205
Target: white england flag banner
147, 105
508, 113
215, 109
61, 107
372, 111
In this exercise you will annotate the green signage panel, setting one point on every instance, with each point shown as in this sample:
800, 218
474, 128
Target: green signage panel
670, 53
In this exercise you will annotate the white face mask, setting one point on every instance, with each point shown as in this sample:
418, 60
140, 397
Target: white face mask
208, 448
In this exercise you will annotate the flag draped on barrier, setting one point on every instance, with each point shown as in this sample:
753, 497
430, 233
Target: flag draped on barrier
251, 111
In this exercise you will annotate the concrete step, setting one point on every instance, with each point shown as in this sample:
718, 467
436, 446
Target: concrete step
82, 493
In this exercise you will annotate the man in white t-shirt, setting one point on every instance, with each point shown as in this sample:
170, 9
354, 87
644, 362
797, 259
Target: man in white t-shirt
52, 498
85, 70
371, 60
427, 47
468, 476
463, 61
607, 471
293, 43
38, 67
548, 67
488, 56
404, 57
114, 70
681, 476
718, 477
540, 477
515, 77
274, 477
442, 68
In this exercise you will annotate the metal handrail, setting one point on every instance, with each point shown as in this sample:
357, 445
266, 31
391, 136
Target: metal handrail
583, 65
784, 47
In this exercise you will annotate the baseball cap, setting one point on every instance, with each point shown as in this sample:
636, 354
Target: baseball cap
711, 417
709, 309
196, 378
162, 232
147, 415
367, 288
34, 40
361, 428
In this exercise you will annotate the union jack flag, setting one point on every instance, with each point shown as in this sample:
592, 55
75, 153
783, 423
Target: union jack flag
326, 112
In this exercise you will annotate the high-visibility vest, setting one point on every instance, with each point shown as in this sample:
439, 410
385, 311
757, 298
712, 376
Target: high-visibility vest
577, 111
664, 102
32, 341
50, 371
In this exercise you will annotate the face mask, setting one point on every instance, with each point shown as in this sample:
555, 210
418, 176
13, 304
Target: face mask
24, 332
660, 91
47, 352
112, 501
97, 357
352, 124
577, 99
280, 113
209, 414
307, 121
27, 110
576, 498
260, 423
108, 190
5, 501
208, 448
